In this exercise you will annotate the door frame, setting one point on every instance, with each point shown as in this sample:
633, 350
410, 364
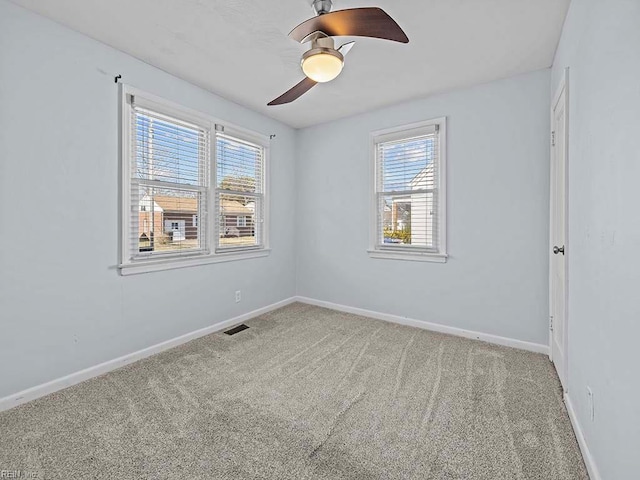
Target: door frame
563, 86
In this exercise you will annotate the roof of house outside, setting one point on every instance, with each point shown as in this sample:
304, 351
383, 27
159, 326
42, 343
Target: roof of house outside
190, 205
421, 178
177, 204
231, 207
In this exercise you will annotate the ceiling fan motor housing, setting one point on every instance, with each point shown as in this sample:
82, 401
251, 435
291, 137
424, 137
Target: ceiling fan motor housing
322, 41
322, 44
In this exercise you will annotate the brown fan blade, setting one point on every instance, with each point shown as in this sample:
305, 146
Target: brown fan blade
358, 22
290, 95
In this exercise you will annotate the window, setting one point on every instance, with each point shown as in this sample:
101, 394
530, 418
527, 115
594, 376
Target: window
239, 192
409, 192
169, 182
186, 179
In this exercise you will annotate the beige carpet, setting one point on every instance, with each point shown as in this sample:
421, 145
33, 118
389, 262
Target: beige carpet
305, 393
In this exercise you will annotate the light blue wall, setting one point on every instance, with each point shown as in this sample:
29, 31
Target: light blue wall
496, 279
601, 46
63, 305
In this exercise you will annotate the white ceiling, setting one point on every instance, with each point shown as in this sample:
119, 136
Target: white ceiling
239, 49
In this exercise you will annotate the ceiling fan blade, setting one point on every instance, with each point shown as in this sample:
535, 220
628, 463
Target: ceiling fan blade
358, 22
293, 93
345, 47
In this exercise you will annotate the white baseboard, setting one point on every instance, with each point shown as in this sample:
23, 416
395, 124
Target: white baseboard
38, 391
590, 463
436, 327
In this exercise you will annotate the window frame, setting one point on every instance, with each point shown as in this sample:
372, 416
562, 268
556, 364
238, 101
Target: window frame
206, 255
245, 136
404, 253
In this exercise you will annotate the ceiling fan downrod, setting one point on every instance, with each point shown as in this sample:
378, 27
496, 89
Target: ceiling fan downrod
322, 6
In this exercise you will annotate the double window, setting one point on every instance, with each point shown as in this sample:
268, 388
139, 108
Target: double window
193, 188
409, 192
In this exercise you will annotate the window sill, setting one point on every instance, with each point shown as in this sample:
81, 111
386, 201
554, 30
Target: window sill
409, 256
147, 266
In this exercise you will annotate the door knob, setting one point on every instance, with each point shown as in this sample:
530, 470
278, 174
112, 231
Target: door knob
558, 250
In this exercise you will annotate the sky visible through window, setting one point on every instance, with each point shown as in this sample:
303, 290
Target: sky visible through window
238, 165
167, 151
171, 152
402, 161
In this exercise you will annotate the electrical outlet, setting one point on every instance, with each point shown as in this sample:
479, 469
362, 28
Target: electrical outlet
238, 296
592, 412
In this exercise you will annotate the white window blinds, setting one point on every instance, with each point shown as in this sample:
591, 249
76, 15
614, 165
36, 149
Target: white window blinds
240, 167
169, 168
193, 189
407, 190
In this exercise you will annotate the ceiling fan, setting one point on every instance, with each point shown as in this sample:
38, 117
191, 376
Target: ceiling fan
323, 62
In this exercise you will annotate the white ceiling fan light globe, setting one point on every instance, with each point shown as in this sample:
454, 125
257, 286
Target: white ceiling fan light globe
322, 66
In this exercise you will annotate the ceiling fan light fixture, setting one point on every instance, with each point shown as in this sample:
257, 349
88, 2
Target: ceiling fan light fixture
322, 64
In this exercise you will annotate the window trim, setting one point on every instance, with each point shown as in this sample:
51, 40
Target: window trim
251, 138
208, 255
391, 253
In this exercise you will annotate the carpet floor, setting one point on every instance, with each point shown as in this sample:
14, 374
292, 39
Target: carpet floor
305, 393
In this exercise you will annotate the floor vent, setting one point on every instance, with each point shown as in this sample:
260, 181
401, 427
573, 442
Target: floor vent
237, 329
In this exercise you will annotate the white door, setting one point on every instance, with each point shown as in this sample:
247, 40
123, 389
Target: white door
558, 258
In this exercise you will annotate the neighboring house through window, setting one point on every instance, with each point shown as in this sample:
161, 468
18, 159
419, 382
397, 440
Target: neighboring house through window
409, 192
